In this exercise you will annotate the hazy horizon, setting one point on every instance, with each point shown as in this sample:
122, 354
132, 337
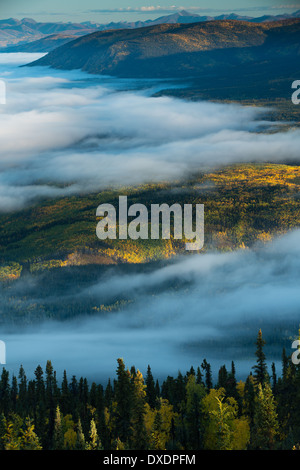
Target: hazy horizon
98, 11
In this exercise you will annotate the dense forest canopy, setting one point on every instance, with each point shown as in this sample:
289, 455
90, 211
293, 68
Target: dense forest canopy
187, 412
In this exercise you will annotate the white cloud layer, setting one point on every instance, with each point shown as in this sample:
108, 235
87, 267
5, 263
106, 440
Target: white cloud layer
67, 132
220, 302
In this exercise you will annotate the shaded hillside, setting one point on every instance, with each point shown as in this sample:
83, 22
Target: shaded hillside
220, 55
114, 51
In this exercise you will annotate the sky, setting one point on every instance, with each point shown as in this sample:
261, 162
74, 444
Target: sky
116, 10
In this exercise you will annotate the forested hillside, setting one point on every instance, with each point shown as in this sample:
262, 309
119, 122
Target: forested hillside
224, 59
244, 204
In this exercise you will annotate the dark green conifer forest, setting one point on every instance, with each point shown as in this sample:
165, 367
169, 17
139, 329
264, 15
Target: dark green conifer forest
132, 412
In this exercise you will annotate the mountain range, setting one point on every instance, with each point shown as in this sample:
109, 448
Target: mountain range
27, 35
19, 32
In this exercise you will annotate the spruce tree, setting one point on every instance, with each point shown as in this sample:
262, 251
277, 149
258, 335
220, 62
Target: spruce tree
58, 436
208, 375
108, 395
80, 439
260, 374
31, 396
139, 439
285, 365
65, 398
40, 386
150, 388
49, 402
5, 395
124, 402
274, 376
180, 391
3, 424
249, 398
22, 401
93, 395
40, 406
157, 438
222, 377
193, 413
11, 438
94, 442
132, 373
265, 419
199, 376
14, 393
29, 439
231, 386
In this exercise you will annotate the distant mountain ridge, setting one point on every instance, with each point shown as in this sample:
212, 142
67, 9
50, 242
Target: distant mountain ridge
17, 32
45, 44
16, 35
